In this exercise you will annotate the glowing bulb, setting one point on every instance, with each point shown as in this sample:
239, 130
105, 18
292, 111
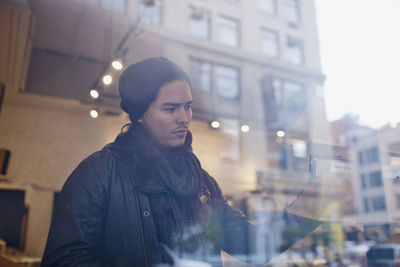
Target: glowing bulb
280, 133
117, 65
215, 124
245, 128
107, 79
94, 93
94, 113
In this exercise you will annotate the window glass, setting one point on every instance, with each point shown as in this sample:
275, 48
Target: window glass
295, 96
366, 205
375, 179
114, 5
284, 101
227, 81
269, 43
199, 22
378, 203
363, 181
228, 31
201, 75
150, 11
267, 6
291, 11
294, 51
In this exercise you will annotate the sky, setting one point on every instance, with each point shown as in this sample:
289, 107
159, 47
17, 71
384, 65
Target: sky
360, 53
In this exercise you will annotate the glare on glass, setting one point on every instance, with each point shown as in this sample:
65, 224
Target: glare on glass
107, 79
280, 133
245, 128
215, 124
94, 113
117, 65
94, 93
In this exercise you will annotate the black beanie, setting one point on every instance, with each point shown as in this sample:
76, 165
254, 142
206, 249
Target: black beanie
140, 82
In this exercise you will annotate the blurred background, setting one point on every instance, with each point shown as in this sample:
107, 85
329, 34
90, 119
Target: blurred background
284, 90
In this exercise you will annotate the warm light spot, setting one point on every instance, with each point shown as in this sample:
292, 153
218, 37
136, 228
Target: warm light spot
94, 113
280, 133
94, 93
107, 79
215, 124
117, 65
245, 128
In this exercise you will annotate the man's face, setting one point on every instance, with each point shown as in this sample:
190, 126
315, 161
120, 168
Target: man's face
168, 117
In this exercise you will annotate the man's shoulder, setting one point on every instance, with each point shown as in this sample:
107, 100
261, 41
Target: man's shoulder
99, 157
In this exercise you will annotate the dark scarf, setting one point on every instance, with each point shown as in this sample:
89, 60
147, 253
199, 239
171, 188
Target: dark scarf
175, 182
177, 170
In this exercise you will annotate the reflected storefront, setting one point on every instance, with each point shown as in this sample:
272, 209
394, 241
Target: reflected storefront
259, 124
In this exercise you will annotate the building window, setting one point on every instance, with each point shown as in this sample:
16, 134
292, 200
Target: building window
366, 205
269, 43
201, 75
284, 101
360, 158
363, 181
294, 50
150, 11
267, 6
378, 203
367, 156
199, 23
226, 81
208, 77
291, 11
375, 179
228, 31
373, 155
114, 5
295, 95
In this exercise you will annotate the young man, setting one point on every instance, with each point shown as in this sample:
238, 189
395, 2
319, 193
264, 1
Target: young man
146, 194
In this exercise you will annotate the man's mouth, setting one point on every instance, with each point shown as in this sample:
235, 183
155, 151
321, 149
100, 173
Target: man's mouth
180, 132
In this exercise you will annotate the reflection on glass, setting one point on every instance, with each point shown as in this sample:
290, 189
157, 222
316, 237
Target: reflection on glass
226, 81
201, 75
269, 43
267, 6
294, 50
199, 22
228, 31
291, 10
150, 11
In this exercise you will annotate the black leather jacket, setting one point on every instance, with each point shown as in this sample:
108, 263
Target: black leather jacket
103, 220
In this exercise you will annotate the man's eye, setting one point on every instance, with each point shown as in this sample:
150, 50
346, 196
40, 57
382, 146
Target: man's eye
170, 109
188, 107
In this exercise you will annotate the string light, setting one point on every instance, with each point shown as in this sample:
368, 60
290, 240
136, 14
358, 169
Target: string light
116, 64
94, 93
245, 128
107, 79
94, 113
215, 124
280, 133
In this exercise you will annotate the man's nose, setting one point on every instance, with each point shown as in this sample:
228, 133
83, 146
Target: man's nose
183, 115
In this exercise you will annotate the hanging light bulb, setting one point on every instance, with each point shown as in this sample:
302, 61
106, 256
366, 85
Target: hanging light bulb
94, 113
116, 64
280, 133
107, 79
245, 128
94, 93
215, 124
